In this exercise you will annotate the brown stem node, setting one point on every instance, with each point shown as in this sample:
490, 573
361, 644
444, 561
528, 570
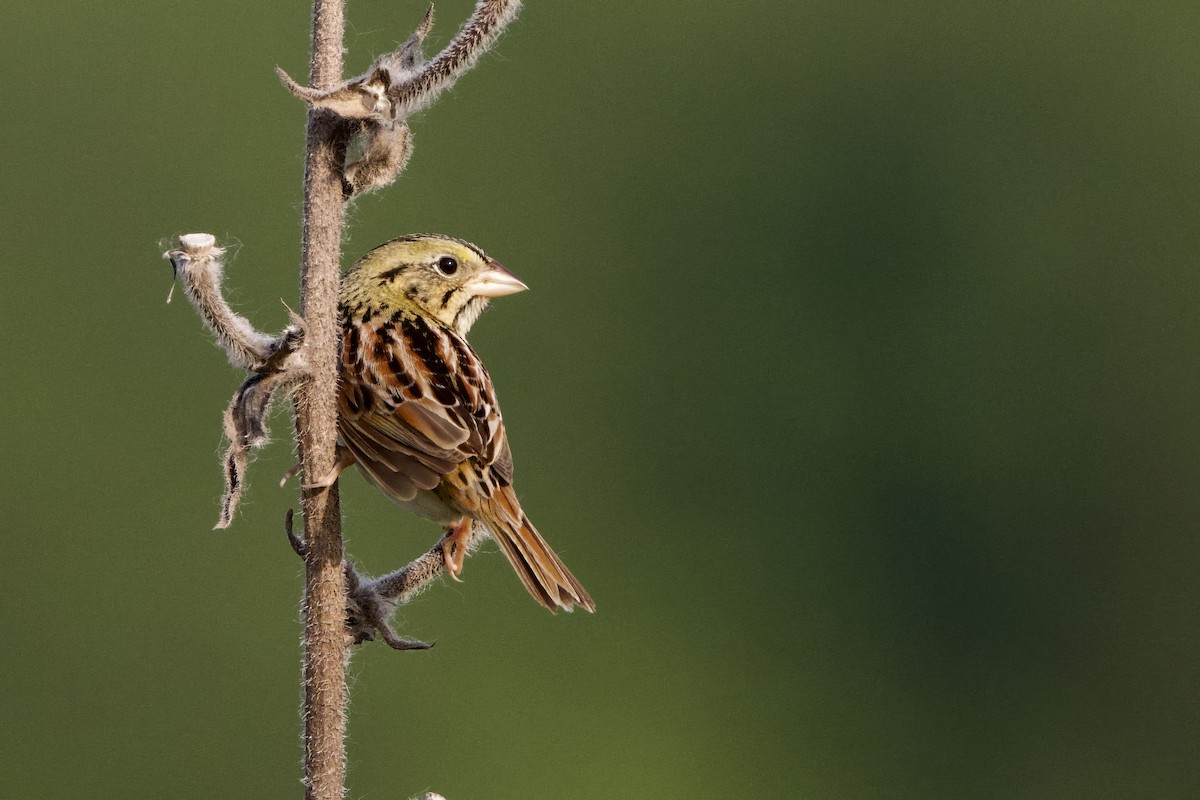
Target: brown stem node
398, 85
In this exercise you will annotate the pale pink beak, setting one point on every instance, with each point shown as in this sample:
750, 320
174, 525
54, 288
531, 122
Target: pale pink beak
495, 282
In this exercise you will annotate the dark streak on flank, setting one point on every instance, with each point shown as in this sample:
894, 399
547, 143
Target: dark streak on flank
466, 364
398, 371
469, 367
423, 342
352, 339
351, 395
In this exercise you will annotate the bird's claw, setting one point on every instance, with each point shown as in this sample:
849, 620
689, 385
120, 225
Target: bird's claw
344, 459
292, 472
454, 547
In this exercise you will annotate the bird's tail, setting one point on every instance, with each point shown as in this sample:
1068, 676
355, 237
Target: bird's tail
539, 568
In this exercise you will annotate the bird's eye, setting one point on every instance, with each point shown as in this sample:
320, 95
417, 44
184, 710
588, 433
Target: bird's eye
447, 265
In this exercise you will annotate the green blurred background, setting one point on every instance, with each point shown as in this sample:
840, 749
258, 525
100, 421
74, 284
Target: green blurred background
858, 384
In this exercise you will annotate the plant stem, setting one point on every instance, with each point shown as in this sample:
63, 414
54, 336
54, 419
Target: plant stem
326, 644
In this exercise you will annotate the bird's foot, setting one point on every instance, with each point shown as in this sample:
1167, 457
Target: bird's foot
344, 459
454, 547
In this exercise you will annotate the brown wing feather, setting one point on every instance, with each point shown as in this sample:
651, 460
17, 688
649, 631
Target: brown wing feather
418, 411
540, 569
400, 434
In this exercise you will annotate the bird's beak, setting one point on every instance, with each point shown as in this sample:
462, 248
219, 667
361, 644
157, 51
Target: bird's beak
495, 282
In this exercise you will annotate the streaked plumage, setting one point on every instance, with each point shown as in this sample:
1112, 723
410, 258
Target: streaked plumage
417, 412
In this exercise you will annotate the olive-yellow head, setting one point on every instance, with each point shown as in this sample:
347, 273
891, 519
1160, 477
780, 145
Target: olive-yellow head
435, 276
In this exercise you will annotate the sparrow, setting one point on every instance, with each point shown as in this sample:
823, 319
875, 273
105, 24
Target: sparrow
417, 413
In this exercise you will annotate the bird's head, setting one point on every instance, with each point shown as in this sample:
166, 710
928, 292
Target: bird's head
436, 276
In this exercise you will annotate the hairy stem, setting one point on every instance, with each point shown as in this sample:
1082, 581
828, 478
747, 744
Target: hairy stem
197, 265
326, 643
305, 354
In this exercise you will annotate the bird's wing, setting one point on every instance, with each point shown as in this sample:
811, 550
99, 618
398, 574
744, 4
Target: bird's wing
415, 402
418, 411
